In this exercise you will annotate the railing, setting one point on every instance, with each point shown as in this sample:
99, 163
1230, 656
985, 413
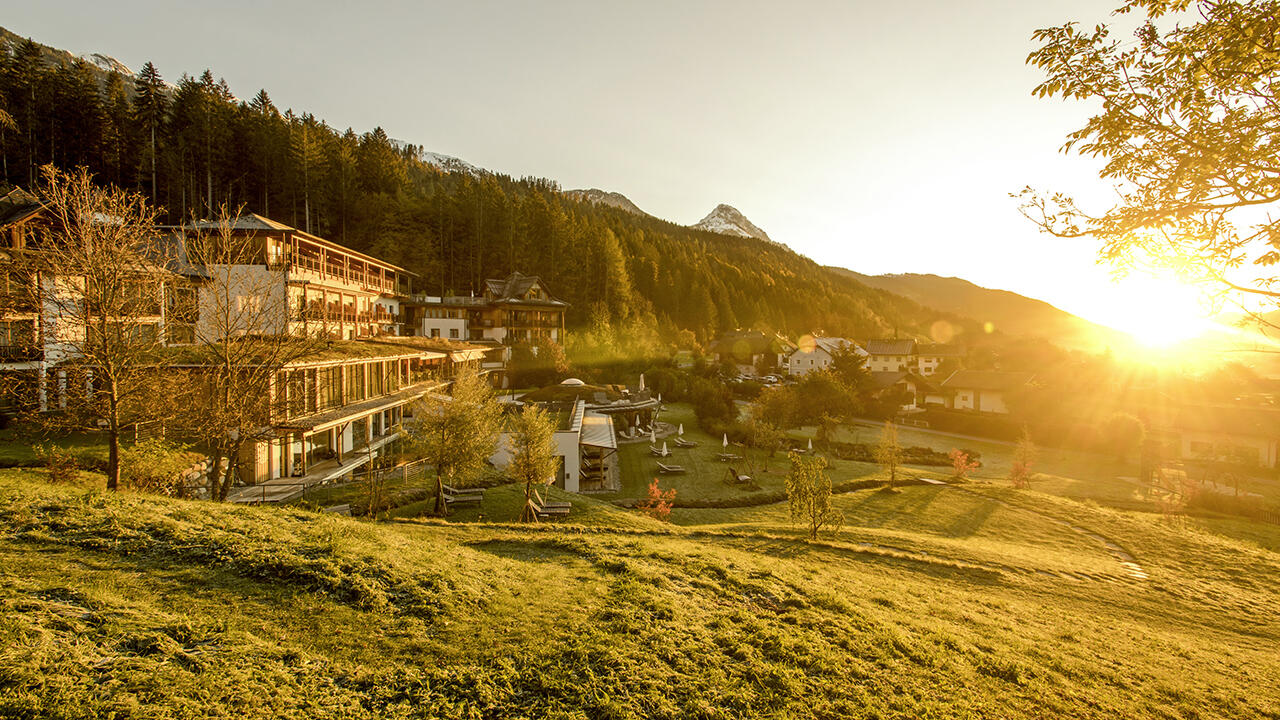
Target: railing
20, 353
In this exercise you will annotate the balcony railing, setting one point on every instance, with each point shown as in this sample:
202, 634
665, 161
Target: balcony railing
20, 353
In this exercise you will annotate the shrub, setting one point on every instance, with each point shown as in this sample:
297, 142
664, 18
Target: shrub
961, 465
154, 465
58, 463
657, 504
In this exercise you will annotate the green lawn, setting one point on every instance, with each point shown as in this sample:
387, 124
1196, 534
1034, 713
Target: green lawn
930, 603
707, 477
17, 450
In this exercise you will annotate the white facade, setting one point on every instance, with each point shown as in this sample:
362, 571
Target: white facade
989, 401
1225, 447
818, 357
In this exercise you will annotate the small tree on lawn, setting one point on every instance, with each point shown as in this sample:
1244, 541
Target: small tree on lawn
455, 434
533, 456
889, 452
1024, 458
657, 504
961, 464
809, 494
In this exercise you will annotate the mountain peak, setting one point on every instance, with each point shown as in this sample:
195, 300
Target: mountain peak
595, 196
728, 220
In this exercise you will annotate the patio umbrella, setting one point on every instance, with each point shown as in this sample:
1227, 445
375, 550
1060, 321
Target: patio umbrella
680, 431
641, 382
659, 398
726, 440
810, 444
665, 451
653, 436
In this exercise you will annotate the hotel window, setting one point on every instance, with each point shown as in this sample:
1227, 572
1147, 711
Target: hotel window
453, 333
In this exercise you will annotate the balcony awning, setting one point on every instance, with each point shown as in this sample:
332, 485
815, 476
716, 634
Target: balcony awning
337, 416
597, 431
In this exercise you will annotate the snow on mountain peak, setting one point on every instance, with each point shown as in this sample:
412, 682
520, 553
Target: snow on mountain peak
107, 63
728, 220
596, 196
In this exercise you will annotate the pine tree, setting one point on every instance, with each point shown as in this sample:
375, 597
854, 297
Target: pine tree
151, 103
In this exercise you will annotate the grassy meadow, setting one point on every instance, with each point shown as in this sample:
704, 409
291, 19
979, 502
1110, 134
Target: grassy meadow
968, 601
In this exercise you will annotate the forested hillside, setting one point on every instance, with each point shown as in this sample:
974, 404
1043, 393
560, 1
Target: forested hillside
194, 147
1007, 311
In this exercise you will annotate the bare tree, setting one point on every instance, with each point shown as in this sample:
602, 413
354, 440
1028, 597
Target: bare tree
457, 433
101, 284
243, 339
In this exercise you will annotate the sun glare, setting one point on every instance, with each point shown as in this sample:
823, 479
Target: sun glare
1158, 312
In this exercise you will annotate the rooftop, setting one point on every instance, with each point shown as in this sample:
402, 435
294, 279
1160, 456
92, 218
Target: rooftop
891, 347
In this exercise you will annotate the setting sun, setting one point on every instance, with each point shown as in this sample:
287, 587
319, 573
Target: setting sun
1157, 312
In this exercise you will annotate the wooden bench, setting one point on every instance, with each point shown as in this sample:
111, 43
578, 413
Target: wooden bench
459, 496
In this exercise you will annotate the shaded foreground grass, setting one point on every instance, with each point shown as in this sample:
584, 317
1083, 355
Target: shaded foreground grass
145, 607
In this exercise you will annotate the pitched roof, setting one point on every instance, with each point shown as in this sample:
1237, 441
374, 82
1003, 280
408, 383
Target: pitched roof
18, 205
881, 380
986, 380
745, 343
831, 345
891, 347
1255, 422
513, 289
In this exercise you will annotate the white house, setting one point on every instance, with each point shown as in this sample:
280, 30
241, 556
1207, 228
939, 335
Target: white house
817, 354
909, 386
929, 356
1246, 436
983, 391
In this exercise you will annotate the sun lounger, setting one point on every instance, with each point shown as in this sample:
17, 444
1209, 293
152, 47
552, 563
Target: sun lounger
657, 452
739, 478
671, 469
681, 442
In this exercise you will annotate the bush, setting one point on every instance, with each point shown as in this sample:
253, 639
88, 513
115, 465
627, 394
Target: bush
712, 404
60, 464
154, 465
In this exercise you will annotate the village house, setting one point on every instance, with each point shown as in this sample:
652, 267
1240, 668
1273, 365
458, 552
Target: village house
512, 310
906, 388
816, 353
1227, 434
930, 357
752, 351
890, 355
981, 391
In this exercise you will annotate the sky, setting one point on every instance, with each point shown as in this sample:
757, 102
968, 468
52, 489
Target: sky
884, 137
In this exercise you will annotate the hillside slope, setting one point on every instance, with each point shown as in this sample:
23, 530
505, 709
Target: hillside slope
124, 605
1007, 311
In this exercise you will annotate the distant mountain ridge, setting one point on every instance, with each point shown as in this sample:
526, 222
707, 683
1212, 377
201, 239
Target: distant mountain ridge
1007, 311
